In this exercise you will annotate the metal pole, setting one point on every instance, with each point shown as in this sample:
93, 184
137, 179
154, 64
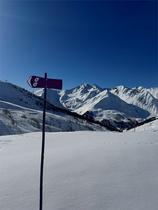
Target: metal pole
43, 145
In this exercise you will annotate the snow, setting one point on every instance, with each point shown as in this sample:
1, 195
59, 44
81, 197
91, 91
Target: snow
16, 95
126, 105
17, 121
119, 108
154, 92
141, 97
53, 96
83, 171
21, 112
148, 126
108, 101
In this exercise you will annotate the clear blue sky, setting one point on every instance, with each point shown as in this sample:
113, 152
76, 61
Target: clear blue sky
104, 42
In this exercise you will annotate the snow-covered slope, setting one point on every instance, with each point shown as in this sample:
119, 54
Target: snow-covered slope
19, 96
105, 100
122, 107
83, 171
140, 97
22, 121
53, 96
71, 99
77, 97
151, 126
21, 111
154, 92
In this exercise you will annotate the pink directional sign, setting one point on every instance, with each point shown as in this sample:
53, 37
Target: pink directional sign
43, 82
40, 82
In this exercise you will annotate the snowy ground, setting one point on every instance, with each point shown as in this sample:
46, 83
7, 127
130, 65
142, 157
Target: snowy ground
83, 171
152, 126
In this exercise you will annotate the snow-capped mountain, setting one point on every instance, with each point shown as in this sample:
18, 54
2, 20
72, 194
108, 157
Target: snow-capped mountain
146, 99
122, 107
21, 111
86, 107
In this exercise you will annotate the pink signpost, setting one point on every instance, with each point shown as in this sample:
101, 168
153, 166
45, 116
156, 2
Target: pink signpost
40, 82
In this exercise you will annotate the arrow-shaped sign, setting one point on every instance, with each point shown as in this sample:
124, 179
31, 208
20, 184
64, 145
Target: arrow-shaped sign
40, 82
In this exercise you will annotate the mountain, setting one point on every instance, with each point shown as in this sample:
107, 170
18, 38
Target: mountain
21, 111
85, 107
120, 107
71, 99
146, 99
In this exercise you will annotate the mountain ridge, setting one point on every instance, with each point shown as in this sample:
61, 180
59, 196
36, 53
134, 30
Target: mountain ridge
21, 111
118, 104
85, 107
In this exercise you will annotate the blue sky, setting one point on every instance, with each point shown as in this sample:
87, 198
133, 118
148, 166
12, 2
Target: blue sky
107, 43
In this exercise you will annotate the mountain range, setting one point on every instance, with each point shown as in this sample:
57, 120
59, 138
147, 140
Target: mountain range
85, 107
121, 107
21, 112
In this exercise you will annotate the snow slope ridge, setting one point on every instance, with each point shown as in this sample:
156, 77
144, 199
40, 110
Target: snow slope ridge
19, 96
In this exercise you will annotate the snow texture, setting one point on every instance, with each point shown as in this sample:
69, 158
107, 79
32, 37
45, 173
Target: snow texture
83, 171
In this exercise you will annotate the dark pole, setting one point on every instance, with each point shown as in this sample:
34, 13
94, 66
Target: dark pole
43, 145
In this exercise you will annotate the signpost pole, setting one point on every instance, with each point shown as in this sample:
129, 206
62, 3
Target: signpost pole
43, 145
40, 82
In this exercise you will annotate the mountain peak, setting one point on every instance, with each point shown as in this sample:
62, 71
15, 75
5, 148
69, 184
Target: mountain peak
120, 87
85, 85
89, 86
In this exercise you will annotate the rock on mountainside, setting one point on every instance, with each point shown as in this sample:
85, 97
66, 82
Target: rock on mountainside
121, 107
